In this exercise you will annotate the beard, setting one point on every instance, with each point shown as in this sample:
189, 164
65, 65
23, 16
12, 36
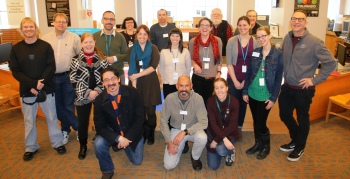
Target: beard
183, 94
217, 21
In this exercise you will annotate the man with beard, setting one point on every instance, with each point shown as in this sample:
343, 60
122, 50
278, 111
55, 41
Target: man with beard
112, 43
221, 28
188, 121
118, 117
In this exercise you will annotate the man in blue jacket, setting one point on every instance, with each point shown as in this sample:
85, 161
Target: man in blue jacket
302, 54
118, 117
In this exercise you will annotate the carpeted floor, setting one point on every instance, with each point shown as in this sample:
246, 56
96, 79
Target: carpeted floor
327, 155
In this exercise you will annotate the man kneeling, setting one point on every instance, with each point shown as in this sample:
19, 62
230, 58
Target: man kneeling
118, 117
188, 119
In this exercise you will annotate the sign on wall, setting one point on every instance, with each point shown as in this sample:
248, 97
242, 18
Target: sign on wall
15, 9
57, 6
311, 7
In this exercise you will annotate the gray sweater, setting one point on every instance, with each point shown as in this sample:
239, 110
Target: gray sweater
303, 61
195, 120
232, 50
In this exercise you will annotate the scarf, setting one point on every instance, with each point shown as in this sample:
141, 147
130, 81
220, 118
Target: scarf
144, 56
89, 57
115, 104
215, 45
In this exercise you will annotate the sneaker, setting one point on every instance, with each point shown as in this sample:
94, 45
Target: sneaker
65, 137
230, 159
295, 155
287, 147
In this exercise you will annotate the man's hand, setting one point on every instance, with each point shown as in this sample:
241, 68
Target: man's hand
179, 137
40, 84
306, 82
123, 142
110, 59
172, 148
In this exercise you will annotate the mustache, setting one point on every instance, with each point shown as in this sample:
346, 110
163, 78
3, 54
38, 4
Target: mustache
111, 85
184, 91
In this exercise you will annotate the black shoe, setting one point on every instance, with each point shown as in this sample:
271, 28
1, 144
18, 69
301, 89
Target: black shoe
61, 150
107, 175
256, 147
29, 155
287, 147
82, 152
263, 154
150, 140
115, 148
295, 155
196, 164
186, 148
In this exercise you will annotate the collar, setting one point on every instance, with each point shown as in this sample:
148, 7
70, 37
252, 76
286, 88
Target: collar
102, 32
291, 35
63, 35
125, 93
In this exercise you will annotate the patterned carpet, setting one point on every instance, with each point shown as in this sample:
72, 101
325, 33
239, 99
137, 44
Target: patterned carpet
327, 155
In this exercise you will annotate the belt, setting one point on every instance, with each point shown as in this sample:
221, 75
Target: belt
63, 73
299, 87
207, 78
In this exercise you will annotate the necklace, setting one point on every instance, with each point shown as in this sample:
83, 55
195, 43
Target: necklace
91, 56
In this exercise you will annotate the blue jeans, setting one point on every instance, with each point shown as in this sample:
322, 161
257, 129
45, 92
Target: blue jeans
104, 158
214, 159
242, 104
64, 97
29, 114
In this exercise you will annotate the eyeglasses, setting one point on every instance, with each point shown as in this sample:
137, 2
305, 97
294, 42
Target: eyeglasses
205, 25
108, 19
261, 37
251, 16
107, 80
61, 22
294, 19
131, 22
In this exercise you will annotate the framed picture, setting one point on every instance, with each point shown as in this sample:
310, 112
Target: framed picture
274, 30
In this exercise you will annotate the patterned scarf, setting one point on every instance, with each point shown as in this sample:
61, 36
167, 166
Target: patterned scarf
215, 45
144, 56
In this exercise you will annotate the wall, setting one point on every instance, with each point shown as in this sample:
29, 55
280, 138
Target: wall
316, 25
125, 9
239, 9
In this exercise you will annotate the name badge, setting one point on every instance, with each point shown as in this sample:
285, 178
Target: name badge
165, 35
205, 59
206, 66
244, 68
176, 60
183, 112
175, 76
183, 126
140, 63
256, 54
261, 81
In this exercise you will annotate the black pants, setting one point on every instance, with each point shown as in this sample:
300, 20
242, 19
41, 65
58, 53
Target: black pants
300, 100
83, 122
151, 118
203, 86
242, 104
259, 114
167, 89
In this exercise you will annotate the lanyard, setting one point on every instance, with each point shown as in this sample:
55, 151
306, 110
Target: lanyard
177, 54
183, 115
108, 43
227, 109
115, 104
262, 67
207, 51
246, 52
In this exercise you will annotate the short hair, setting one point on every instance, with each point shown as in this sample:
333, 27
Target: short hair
243, 18
251, 10
107, 12
144, 27
300, 10
29, 20
216, 9
166, 13
175, 31
60, 15
207, 19
128, 19
111, 69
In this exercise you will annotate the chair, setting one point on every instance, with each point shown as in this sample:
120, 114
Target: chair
6, 95
343, 101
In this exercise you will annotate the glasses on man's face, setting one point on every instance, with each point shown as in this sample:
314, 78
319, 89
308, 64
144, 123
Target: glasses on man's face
107, 80
108, 19
205, 25
294, 19
251, 16
261, 37
61, 22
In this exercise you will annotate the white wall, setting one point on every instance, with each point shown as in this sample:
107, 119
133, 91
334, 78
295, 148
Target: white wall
125, 9
239, 9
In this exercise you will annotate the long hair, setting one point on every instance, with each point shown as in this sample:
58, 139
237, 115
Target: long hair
29, 20
267, 30
217, 80
97, 50
175, 31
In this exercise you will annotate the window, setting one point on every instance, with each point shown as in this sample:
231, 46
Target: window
263, 7
3, 14
100, 6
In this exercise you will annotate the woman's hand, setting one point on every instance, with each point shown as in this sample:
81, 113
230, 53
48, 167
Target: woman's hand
197, 69
228, 144
246, 98
133, 77
213, 144
237, 84
92, 95
269, 105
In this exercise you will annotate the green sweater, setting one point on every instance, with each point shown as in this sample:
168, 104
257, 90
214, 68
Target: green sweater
117, 48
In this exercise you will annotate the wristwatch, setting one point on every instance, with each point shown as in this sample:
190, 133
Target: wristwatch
186, 132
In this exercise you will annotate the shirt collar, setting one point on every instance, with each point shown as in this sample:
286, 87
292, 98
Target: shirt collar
102, 32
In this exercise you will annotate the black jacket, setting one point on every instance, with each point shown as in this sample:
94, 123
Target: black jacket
131, 116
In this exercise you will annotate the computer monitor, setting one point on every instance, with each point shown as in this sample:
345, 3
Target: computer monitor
345, 26
341, 54
5, 50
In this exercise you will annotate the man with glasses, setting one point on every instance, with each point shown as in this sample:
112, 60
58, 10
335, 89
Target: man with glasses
118, 117
65, 45
302, 54
252, 15
112, 43
160, 31
221, 28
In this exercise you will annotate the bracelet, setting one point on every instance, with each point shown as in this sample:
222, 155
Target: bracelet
219, 72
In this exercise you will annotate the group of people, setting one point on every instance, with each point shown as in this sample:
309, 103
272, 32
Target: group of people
204, 109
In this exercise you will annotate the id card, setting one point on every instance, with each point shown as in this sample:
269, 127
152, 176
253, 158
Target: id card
140, 63
183, 126
175, 76
261, 81
183, 112
165, 35
244, 68
206, 66
176, 60
206, 59
256, 54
